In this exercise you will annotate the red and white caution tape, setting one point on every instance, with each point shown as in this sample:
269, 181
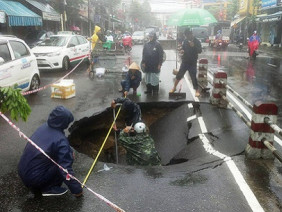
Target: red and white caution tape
49, 85
68, 176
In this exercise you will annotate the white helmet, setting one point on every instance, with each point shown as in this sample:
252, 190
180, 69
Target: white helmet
140, 127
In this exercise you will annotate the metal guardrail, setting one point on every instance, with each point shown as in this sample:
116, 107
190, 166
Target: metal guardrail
239, 97
275, 127
236, 94
241, 116
274, 151
267, 120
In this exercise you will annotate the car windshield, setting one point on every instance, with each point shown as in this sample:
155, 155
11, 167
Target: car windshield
55, 41
138, 33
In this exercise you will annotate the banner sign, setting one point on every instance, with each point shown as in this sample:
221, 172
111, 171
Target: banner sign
243, 7
51, 16
268, 3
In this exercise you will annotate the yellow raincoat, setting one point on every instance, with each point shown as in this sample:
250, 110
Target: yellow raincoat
94, 37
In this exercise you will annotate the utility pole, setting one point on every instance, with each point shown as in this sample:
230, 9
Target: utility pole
65, 16
89, 21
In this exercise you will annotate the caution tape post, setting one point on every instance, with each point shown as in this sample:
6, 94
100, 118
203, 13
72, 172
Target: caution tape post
261, 131
203, 73
219, 89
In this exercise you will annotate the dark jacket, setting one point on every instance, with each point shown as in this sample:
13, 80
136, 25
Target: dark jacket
152, 56
190, 55
133, 111
51, 138
132, 82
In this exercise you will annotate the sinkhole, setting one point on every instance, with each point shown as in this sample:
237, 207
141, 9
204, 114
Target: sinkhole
166, 121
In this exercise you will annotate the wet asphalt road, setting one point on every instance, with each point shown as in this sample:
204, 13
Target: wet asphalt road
203, 183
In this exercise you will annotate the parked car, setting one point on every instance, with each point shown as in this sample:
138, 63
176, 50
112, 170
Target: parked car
138, 37
60, 51
34, 38
17, 64
152, 28
65, 33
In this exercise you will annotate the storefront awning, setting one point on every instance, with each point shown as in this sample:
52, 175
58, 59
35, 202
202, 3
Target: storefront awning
48, 12
270, 18
19, 15
237, 21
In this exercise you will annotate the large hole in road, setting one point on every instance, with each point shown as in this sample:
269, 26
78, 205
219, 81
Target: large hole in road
164, 119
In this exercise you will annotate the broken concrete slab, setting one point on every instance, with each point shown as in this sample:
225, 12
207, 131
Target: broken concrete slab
170, 133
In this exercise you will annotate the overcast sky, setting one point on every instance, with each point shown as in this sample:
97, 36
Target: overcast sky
165, 7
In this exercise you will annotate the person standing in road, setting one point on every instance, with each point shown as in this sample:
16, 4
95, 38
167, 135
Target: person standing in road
38, 172
97, 35
132, 80
152, 59
255, 37
191, 47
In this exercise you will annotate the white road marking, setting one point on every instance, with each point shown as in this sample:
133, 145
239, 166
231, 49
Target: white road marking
244, 187
191, 118
246, 112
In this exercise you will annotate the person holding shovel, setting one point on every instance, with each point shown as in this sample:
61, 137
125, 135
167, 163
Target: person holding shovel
191, 47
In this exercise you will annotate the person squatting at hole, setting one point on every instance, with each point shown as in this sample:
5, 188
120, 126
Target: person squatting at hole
132, 79
132, 110
139, 145
39, 173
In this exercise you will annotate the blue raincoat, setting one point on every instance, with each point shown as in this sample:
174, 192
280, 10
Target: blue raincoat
35, 169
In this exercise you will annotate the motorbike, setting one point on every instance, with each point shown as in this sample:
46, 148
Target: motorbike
240, 46
127, 43
218, 44
253, 48
239, 43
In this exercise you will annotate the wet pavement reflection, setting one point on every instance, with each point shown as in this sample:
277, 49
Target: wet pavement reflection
255, 80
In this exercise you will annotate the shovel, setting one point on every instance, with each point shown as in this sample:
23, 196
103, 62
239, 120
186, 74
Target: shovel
179, 94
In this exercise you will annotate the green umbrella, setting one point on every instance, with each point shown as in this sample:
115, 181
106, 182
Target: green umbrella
191, 17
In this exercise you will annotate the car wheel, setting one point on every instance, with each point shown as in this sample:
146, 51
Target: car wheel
35, 82
66, 64
91, 75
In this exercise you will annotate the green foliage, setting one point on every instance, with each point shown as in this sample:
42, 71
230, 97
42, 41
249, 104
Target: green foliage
232, 9
141, 14
11, 100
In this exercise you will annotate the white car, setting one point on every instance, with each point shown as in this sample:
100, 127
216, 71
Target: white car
59, 51
17, 64
138, 37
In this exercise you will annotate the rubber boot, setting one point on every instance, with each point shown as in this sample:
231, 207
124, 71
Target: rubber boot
134, 91
156, 89
149, 89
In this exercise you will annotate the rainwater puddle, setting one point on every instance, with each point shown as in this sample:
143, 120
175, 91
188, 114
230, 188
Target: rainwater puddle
190, 179
88, 134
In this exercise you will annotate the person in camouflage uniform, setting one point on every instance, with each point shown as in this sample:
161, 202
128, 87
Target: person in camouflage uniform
140, 146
